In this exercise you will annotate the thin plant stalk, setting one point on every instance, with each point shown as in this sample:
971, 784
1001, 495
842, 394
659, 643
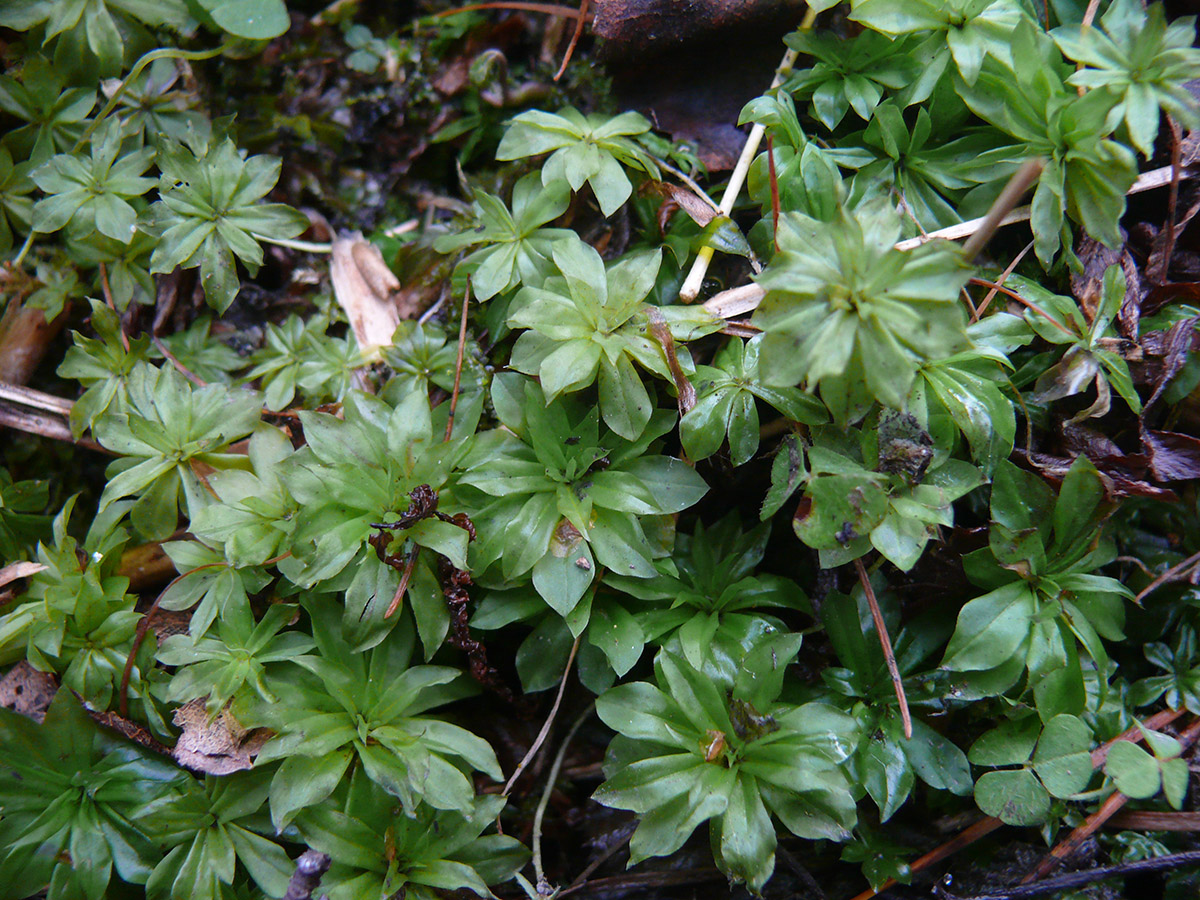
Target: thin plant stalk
885, 642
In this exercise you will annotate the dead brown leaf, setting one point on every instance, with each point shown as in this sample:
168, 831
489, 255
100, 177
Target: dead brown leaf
16, 570
363, 286
1173, 456
217, 745
674, 198
27, 691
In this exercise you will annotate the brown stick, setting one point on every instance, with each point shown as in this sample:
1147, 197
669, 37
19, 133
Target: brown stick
579, 22
986, 826
1092, 824
139, 635
550, 9
1155, 820
1166, 576
991, 294
405, 577
1016, 188
885, 642
174, 361
1160, 273
108, 300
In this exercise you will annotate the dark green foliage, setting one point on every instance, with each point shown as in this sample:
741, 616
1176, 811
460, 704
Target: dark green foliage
374, 552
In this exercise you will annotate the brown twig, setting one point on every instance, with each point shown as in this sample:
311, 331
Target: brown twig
1027, 303
139, 635
1092, 824
1169, 575
992, 292
410, 565
458, 363
986, 826
1159, 274
885, 642
550, 9
545, 731
108, 300
1017, 187
575, 35
774, 191
174, 361
1079, 879
1155, 820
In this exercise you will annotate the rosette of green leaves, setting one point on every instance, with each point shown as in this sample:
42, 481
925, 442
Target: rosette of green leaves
103, 365
725, 405
1141, 62
967, 30
1085, 174
98, 26
713, 594
939, 177
516, 248
93, 194
381, 850
852, 74
890, 489
214, 831
591, 149
54, 112
151, 105
1043, 599
1180, 681
70, 793
234, 663
253, 515
166, 429
360, 470
420, 358
589, 324
687, 754
77, 620
569, 496
126, 265
299, 355
342, 706
844, 309
209, 213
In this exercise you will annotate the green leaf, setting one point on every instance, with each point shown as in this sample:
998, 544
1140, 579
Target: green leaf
1014, 796
1062, 760
251, 19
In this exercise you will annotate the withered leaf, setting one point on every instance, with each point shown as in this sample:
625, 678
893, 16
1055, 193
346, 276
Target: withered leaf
363, 285
218, 745
27, 691
1173, 456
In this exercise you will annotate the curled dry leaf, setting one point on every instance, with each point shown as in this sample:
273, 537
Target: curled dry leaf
364, 285
218, 745
675, 197
16, 570
27, 691
1173, 456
